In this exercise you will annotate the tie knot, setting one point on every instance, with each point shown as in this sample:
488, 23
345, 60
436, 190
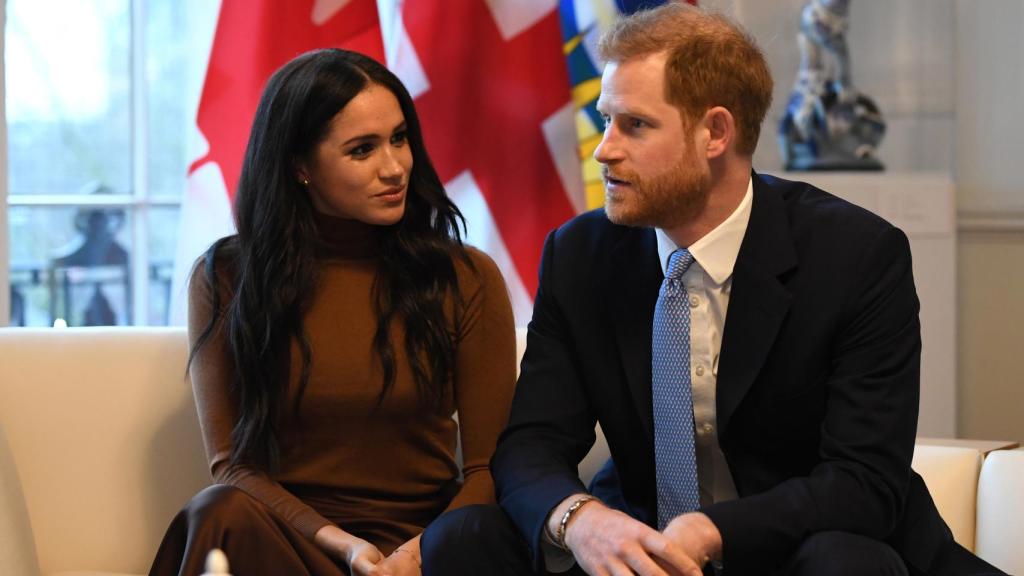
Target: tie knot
678, 262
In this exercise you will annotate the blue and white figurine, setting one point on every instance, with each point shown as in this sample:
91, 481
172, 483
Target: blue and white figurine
828, 124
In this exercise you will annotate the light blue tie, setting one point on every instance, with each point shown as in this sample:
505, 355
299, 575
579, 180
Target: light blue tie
674, 457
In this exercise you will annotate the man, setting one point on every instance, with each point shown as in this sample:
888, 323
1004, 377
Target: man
750, 347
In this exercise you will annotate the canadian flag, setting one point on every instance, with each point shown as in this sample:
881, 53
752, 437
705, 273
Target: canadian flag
491, 87
493, 94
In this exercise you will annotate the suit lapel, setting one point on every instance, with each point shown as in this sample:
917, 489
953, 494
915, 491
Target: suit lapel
759, 301
635, 278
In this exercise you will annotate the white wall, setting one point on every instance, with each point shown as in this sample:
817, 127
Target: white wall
989, 156
990, 108
991, 347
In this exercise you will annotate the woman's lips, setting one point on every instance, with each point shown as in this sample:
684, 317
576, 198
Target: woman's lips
395, 194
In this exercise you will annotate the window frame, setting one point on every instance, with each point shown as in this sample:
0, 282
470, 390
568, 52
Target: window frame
138, 203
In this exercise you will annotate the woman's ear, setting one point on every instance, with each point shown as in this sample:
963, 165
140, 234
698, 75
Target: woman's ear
301, 173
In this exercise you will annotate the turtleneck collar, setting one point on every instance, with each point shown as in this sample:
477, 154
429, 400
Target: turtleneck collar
345, 238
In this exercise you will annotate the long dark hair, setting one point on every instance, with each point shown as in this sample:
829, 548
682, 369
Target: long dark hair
272, 269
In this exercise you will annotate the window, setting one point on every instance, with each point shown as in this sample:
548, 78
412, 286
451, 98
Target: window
100, 99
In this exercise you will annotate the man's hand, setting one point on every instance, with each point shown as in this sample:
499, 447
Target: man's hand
696, 535
607, 542
404, 561
399, 563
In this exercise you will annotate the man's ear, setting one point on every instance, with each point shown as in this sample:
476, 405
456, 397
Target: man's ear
721, 129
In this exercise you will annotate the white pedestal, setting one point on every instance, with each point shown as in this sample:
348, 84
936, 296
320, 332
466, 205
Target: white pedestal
922, 205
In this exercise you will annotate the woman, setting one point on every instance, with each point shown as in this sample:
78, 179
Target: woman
334, 336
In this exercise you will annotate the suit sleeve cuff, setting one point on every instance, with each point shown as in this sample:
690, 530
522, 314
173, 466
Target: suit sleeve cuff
556, 560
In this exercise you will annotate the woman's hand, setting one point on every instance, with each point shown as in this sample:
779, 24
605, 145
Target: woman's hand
362, 558
404, 561
365, 560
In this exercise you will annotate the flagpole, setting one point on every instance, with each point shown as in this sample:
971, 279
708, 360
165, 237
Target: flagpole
138, 292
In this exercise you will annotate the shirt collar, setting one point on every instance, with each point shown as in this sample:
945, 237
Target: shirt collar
716, 252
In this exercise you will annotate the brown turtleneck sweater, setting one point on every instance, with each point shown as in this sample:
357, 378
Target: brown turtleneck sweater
380, 472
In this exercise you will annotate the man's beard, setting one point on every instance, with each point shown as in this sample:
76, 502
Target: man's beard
665, 201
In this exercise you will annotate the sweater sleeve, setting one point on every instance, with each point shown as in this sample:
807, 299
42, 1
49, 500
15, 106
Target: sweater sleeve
485, 373
211, 375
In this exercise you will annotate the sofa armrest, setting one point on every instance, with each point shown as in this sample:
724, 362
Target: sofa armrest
1000, 509
103, 428
17, 545
951, 474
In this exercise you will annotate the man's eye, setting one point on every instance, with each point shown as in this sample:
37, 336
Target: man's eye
607, 120
637, 123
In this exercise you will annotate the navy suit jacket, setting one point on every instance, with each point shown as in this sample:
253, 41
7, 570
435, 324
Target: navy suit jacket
817, 390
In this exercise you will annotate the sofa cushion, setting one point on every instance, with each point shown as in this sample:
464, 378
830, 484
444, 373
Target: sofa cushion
951, 474
105, 439
1000, 535
93, 574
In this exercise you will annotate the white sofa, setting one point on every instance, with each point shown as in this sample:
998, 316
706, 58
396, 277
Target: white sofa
100, 446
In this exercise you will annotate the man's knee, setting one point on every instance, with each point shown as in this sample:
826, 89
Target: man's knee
473, 538
475, 526
843, 554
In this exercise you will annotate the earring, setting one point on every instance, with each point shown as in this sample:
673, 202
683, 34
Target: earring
305, 182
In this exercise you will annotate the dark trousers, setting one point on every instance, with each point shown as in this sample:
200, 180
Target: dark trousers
843, 554
482, 540
956, 560
474, 540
